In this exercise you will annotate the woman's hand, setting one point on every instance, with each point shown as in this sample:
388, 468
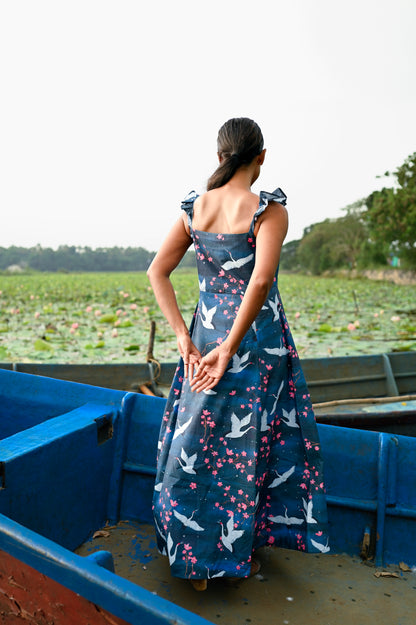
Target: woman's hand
190, 355
211, 368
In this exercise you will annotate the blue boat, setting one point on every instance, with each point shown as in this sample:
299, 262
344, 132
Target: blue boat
78, 461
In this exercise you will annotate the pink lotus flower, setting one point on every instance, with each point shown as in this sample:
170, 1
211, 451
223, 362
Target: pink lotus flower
351, 327
88, 309
297, 315
97, 313
75, 325
145, 309
37, 314
133, 306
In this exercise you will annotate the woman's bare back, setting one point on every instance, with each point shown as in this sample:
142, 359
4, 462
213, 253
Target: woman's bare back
225, 210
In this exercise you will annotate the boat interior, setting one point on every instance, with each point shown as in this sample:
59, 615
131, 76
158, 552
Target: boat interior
77, 468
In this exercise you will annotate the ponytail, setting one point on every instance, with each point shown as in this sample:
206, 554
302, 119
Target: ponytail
224, 172
239, 141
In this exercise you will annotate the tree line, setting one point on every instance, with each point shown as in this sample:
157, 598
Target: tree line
375, 231
72, 258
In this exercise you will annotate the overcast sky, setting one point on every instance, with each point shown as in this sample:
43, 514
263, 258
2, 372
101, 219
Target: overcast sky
109, 111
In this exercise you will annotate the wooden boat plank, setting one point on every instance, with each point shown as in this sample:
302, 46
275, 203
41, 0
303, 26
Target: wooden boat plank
396, 417
404, 371
328, 378
33, 598
395, 408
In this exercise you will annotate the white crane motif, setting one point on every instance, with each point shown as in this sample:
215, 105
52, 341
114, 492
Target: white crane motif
277, 351
207, 315
171, 554
322, 548
235, 264
308, 511
239, 363
277, 397
189, 461
280, 479
231, 535
237, 424
289, 418
188, 522
286, 520
274, 305
181, 429
264, 425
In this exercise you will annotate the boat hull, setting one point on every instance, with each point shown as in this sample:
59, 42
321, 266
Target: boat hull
73, 457
30, 596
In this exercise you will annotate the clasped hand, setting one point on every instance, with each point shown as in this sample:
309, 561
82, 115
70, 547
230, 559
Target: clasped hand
205, 372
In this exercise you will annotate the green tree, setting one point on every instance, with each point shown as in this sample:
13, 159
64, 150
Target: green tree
288, 256
334, 243
314, 251
391, 212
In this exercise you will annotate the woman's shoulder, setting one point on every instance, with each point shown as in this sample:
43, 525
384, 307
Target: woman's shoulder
275, 203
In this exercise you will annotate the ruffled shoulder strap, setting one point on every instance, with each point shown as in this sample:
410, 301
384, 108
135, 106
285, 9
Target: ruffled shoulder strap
265, 197
188, 205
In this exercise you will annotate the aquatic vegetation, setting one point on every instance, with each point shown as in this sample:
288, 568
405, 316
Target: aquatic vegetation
105, 317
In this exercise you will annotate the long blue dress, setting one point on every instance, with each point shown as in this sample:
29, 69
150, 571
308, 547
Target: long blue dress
239, 466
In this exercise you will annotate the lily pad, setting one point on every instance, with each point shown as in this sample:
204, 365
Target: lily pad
326, 309
110, 318
4, 354
126, 324
42, 346
325, 327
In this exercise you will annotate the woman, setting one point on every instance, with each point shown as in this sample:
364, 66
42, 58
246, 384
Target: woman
239, 463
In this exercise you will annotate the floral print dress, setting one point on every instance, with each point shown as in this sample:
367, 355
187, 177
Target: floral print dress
239, 466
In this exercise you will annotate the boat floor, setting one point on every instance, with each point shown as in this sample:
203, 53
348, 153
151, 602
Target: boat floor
292, 588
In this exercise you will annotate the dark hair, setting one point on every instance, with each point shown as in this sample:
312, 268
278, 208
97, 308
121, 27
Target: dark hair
239, 141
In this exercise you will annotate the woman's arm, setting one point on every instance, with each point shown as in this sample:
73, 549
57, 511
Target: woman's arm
166, 260
272, 229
